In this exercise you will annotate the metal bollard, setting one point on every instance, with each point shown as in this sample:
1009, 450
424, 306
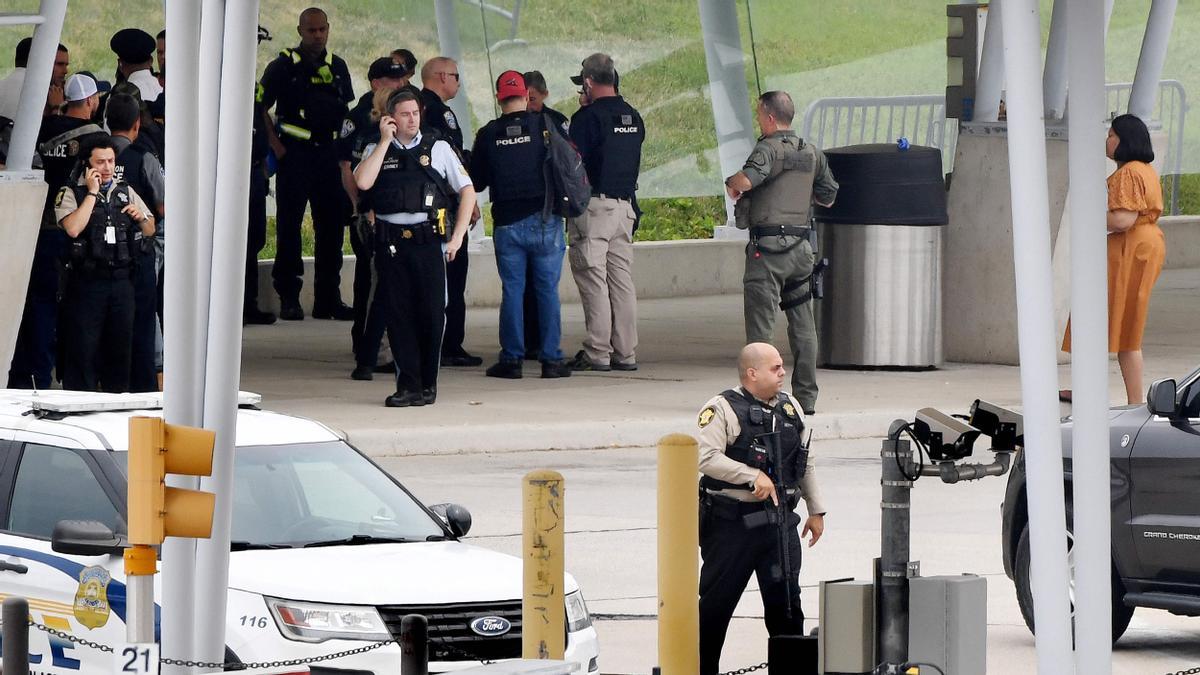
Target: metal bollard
678, 546
16, 636
543, 610
414, 645
895, 529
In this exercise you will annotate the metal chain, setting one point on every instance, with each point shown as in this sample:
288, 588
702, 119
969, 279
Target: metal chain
207, 664
1189, 671
747, 669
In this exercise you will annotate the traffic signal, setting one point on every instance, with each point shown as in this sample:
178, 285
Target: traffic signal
155, 510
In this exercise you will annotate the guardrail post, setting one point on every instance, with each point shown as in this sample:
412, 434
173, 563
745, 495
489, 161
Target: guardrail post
678, 546
414, 645
16, 636
543, 612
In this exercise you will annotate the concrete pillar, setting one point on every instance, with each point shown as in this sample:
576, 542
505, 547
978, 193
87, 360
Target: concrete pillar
1054, 80
1037, 342
1089, 358
727, 86
1154, 54
989, 87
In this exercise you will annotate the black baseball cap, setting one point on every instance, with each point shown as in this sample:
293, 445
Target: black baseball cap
386, 67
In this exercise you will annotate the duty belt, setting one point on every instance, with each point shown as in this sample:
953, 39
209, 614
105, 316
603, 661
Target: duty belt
602, 195
417, 233
779, 230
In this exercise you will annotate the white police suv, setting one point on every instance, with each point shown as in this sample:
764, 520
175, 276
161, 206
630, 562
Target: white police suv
329, 552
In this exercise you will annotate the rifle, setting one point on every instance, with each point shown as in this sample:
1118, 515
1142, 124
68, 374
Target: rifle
778, 515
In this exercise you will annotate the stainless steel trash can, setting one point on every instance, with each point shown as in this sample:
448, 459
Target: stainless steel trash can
883, 238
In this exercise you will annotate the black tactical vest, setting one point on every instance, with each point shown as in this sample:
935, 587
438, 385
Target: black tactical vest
96, 249
312, 99
754, 445
407, 182
517, 158
623, 131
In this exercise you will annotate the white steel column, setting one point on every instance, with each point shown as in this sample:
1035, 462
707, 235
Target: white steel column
1054, 83
1089, 341
183, 341
37, 82
225, 316
989, 87
1035, 329
451, 45
1154, 54
727, 85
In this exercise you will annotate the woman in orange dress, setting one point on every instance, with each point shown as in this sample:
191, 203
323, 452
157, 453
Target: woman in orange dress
1136, 248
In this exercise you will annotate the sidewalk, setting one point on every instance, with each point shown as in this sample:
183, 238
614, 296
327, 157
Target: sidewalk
687, 353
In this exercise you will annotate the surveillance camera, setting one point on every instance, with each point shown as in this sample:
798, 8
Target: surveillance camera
946, 438
1006, 427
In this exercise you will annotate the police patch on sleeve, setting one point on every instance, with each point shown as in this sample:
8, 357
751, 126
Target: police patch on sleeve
451, 120
706, 416
347, 127
787, 408
59, 197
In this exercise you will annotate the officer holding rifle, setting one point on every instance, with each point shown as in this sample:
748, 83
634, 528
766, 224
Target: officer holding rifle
755, 465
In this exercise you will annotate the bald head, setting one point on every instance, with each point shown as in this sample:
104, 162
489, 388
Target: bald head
761, 371
440, 75
313, 28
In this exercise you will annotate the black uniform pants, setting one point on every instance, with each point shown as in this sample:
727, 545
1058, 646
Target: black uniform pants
34, 355
366, 333
143, 373
98, 340
731, 553
309, 175
256, 232
456, 303
412, 276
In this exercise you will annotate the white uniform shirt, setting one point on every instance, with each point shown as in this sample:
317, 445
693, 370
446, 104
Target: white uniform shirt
445, 162
147, 84
10, 93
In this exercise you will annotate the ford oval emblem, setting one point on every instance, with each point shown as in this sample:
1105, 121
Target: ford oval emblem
491, 626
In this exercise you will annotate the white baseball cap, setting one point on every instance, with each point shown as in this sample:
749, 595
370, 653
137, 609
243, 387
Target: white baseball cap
80, 87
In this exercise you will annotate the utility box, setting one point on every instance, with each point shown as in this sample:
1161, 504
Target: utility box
947, 623
846, 640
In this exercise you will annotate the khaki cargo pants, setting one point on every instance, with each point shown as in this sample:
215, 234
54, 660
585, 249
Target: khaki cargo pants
601, 256
778, 281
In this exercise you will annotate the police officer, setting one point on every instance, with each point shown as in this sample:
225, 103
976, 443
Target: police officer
108, 224
510, 157
358, 129
609, 134
440, 79
309, 88
59, 141
134, 48
256, 215
411, 178
741, 430
140, 170
775, 189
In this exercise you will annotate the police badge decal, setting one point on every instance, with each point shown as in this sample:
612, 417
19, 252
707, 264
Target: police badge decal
91, 599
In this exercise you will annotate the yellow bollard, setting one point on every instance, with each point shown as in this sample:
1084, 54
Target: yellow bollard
678, 552
543, 612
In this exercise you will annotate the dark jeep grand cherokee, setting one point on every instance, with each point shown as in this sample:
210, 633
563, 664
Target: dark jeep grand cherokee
1155, 450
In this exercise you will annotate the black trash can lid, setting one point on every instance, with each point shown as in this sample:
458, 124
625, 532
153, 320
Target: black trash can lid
881, 184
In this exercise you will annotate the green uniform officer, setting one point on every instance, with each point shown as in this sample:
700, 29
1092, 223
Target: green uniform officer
774, 191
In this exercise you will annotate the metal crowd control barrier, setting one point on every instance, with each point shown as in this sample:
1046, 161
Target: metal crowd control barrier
839, 121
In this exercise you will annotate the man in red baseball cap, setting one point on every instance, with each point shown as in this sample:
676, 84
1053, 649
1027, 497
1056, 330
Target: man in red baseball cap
509, 156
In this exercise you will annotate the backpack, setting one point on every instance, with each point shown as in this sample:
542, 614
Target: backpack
567, 188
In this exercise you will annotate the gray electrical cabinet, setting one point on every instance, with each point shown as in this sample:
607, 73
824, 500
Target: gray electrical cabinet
947, 623
846, 641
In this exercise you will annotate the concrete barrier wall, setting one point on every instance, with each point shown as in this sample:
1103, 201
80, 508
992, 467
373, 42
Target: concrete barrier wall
23, 195
673, 268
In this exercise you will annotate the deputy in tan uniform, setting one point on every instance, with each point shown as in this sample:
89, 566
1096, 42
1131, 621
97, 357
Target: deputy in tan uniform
739, 431
774, 191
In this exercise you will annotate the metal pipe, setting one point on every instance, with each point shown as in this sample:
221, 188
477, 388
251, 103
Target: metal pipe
1150, 62
16, 636
414, 645
543, 610
989, 87
451, 46
727, 84
225, 316
895, 534
678, 568
140, 563
181, 335
1089, 328
1054, 83
37, 82
951, 473
1038, 347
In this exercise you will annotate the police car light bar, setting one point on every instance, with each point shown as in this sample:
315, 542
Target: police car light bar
72, 402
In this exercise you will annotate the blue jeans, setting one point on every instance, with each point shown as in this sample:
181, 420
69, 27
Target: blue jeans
539, 244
